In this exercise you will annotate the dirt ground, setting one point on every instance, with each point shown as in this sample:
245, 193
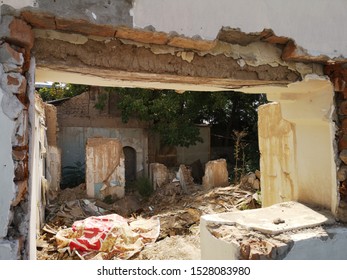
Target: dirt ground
179, 216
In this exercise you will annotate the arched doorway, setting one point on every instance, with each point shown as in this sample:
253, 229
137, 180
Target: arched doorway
129, 165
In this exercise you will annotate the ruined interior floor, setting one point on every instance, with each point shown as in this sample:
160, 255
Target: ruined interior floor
179, 216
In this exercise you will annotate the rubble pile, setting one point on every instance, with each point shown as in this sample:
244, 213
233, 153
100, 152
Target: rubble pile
177, 209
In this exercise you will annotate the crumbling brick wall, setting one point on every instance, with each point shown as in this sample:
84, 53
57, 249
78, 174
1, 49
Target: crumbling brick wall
16, 41
338, 76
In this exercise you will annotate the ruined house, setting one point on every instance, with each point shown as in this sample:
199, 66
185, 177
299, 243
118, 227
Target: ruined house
284, 49
82, 117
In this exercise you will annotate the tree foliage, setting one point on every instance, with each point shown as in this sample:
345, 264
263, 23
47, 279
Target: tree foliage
59, 91
174, 115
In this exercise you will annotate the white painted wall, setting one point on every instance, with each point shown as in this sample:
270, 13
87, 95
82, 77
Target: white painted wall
34, 169
19, 3
7, 250
6, 169
314, 25
308, 106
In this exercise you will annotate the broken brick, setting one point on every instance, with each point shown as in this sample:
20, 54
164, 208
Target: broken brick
142, 36
188, 43
10, 58
14, 83
19, 155
22, 188
292, 52
84, 27
17, 32
39, 19
11, 106
21, 170
342, 173
339, 84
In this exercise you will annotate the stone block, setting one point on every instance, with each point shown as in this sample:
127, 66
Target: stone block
16, 31
216, 174
159, 175
20, 133
11, 106
14, 83
11, 59
342, 173
22, 189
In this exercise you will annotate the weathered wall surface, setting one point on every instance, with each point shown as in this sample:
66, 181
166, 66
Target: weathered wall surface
338, 76
6, 169
79, 120
105, 174
293, 161
189, 18
317, 36
200, 151
216, 174
277, 162
72, 142
16, 41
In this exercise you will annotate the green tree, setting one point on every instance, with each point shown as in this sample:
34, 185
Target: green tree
172, 115
59, 91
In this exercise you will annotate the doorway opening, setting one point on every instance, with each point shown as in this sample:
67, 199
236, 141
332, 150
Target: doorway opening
129, 165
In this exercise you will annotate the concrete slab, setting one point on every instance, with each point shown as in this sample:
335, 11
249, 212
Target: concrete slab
275, 219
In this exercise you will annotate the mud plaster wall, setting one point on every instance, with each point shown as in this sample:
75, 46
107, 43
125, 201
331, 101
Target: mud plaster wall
14, 173
79, 120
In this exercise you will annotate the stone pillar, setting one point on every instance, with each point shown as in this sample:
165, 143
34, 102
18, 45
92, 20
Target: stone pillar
16, 40
297, 145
